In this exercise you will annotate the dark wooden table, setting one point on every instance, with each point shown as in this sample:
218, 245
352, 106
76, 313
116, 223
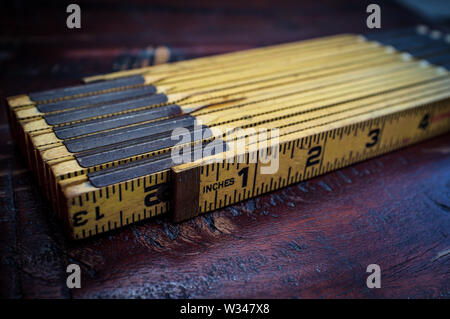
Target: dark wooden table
313, 239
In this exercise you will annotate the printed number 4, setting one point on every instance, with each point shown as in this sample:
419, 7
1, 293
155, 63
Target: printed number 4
424, 122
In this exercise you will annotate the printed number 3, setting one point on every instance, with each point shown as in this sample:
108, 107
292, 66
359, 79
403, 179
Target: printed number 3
374, 134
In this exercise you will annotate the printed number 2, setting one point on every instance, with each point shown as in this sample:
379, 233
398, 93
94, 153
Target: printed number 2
314, 154
374, 134
244, 173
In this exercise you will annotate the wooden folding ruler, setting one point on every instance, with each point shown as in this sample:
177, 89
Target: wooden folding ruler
104, 152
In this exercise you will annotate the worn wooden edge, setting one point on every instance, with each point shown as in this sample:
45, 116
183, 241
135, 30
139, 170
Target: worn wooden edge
185, 65
186, 193
19, 100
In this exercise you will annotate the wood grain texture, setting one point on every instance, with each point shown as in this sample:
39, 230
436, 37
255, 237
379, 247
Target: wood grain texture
313, 239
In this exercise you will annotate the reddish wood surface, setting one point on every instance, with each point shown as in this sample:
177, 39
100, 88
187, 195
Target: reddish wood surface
313, 239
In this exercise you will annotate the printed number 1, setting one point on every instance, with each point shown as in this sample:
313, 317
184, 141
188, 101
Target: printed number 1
244, 173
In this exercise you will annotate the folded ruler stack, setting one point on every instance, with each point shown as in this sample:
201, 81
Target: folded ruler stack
102, 151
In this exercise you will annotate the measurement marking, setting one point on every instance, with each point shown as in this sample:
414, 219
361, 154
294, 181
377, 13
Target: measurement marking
254, 176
